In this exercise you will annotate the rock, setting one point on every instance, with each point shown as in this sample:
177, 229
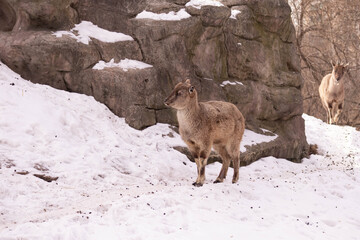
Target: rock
7, 16
167, 115
118, 50
126, 93
46, 178
44, 58
214, 16
23, 172
313, 149
163, 6
49, 14
212, 44
112, 15
248, 28
140, 117
255, 52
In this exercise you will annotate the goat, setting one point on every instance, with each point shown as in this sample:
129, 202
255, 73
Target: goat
332, 93
203, 125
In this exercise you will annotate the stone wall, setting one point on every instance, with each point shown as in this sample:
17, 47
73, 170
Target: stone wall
255, 51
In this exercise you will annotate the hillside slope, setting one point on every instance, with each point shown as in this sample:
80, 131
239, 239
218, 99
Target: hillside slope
114, 182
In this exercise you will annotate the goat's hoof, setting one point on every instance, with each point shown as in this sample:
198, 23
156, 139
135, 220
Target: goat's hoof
218, 181
196, 184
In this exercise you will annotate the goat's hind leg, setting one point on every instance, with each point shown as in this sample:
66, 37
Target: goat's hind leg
236, 165
327, 109
226, 163
234, 150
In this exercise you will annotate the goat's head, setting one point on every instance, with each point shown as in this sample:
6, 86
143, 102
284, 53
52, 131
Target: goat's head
339, 70
182, 95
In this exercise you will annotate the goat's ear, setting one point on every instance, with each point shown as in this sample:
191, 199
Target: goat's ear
346, 65
332, 63
191, 89
187, 81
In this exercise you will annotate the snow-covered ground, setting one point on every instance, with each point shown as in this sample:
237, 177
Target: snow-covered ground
115, 182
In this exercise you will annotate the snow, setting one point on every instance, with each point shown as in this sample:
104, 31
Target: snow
170, 16
199, 3
115, 182
84, 31
124, 64
252, 138
224, 83
234, 12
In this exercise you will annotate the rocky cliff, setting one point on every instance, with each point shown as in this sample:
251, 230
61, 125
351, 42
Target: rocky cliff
240, 51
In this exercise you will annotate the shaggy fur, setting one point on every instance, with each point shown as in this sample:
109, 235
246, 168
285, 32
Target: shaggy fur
204, 125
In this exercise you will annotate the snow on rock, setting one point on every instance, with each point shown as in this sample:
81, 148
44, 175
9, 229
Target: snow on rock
170, 16
124, 64
224, 83
199, 3
85, 30
234, 12
252, 138
116, 182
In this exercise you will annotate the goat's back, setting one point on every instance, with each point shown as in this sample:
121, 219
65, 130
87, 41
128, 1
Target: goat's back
223, 118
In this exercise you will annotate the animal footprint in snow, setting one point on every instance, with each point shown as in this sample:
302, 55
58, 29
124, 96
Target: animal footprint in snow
330, 223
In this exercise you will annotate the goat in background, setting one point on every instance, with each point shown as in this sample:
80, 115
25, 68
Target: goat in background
332, 93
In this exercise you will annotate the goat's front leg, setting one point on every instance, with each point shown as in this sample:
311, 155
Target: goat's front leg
338, 112
333, 110
201, 162
330, 114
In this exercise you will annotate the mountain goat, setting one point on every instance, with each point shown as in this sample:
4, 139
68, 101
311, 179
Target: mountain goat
204, 125
332, 93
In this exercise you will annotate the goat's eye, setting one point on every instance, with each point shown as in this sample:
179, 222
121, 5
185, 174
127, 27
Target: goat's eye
178, 93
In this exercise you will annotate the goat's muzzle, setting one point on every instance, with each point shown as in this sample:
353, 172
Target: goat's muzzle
167, 102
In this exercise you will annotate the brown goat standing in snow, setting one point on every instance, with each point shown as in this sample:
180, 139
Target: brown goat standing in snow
204, 125
332, 93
